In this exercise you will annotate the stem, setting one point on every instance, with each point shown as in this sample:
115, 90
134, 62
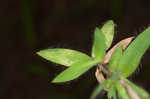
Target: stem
103, 69
130, 90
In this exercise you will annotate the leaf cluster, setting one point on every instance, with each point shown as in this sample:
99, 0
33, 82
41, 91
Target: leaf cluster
121, 62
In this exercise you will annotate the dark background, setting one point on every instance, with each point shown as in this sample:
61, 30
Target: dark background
27, 26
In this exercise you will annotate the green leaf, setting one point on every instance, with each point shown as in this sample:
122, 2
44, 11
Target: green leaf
112, 92
99, 89
64, 57
141, 92
108, 32
114, 60
115, 76
106, 84
132, 55
98, 49
74, 71
122, 92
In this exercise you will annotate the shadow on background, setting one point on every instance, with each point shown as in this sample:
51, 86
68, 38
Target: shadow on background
27, 26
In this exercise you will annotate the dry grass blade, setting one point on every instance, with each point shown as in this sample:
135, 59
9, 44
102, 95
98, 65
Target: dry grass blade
130, 90
124, 43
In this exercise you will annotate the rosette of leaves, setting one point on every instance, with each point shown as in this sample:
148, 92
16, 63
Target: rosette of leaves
121, 63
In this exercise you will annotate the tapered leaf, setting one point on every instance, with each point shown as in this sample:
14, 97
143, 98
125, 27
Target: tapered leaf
64, 57
112, 93
106, 84
132, 55
108, 31
141, 92
122, 92
114, 60
99, 89
74, 71
98, 49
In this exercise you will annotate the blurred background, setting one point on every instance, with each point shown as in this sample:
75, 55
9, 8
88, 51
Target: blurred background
27, 26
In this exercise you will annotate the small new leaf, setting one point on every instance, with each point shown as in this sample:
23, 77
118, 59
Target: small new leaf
62, 56
112, 93
122, 92
99, 89
106, 84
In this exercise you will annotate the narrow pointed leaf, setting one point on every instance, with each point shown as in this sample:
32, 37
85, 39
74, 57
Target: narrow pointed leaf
141, 92
98, 49
74, 71
108, 31
106, 84
133, 54
122, 92
114, 60
64, 57
112, 93
99, 89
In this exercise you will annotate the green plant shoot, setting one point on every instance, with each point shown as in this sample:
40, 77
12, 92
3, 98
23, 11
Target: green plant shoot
121, 64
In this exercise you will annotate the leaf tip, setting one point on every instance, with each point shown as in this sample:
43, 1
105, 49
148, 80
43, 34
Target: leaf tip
57, 80
40, 53
97, 30
110, 22
54, 81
